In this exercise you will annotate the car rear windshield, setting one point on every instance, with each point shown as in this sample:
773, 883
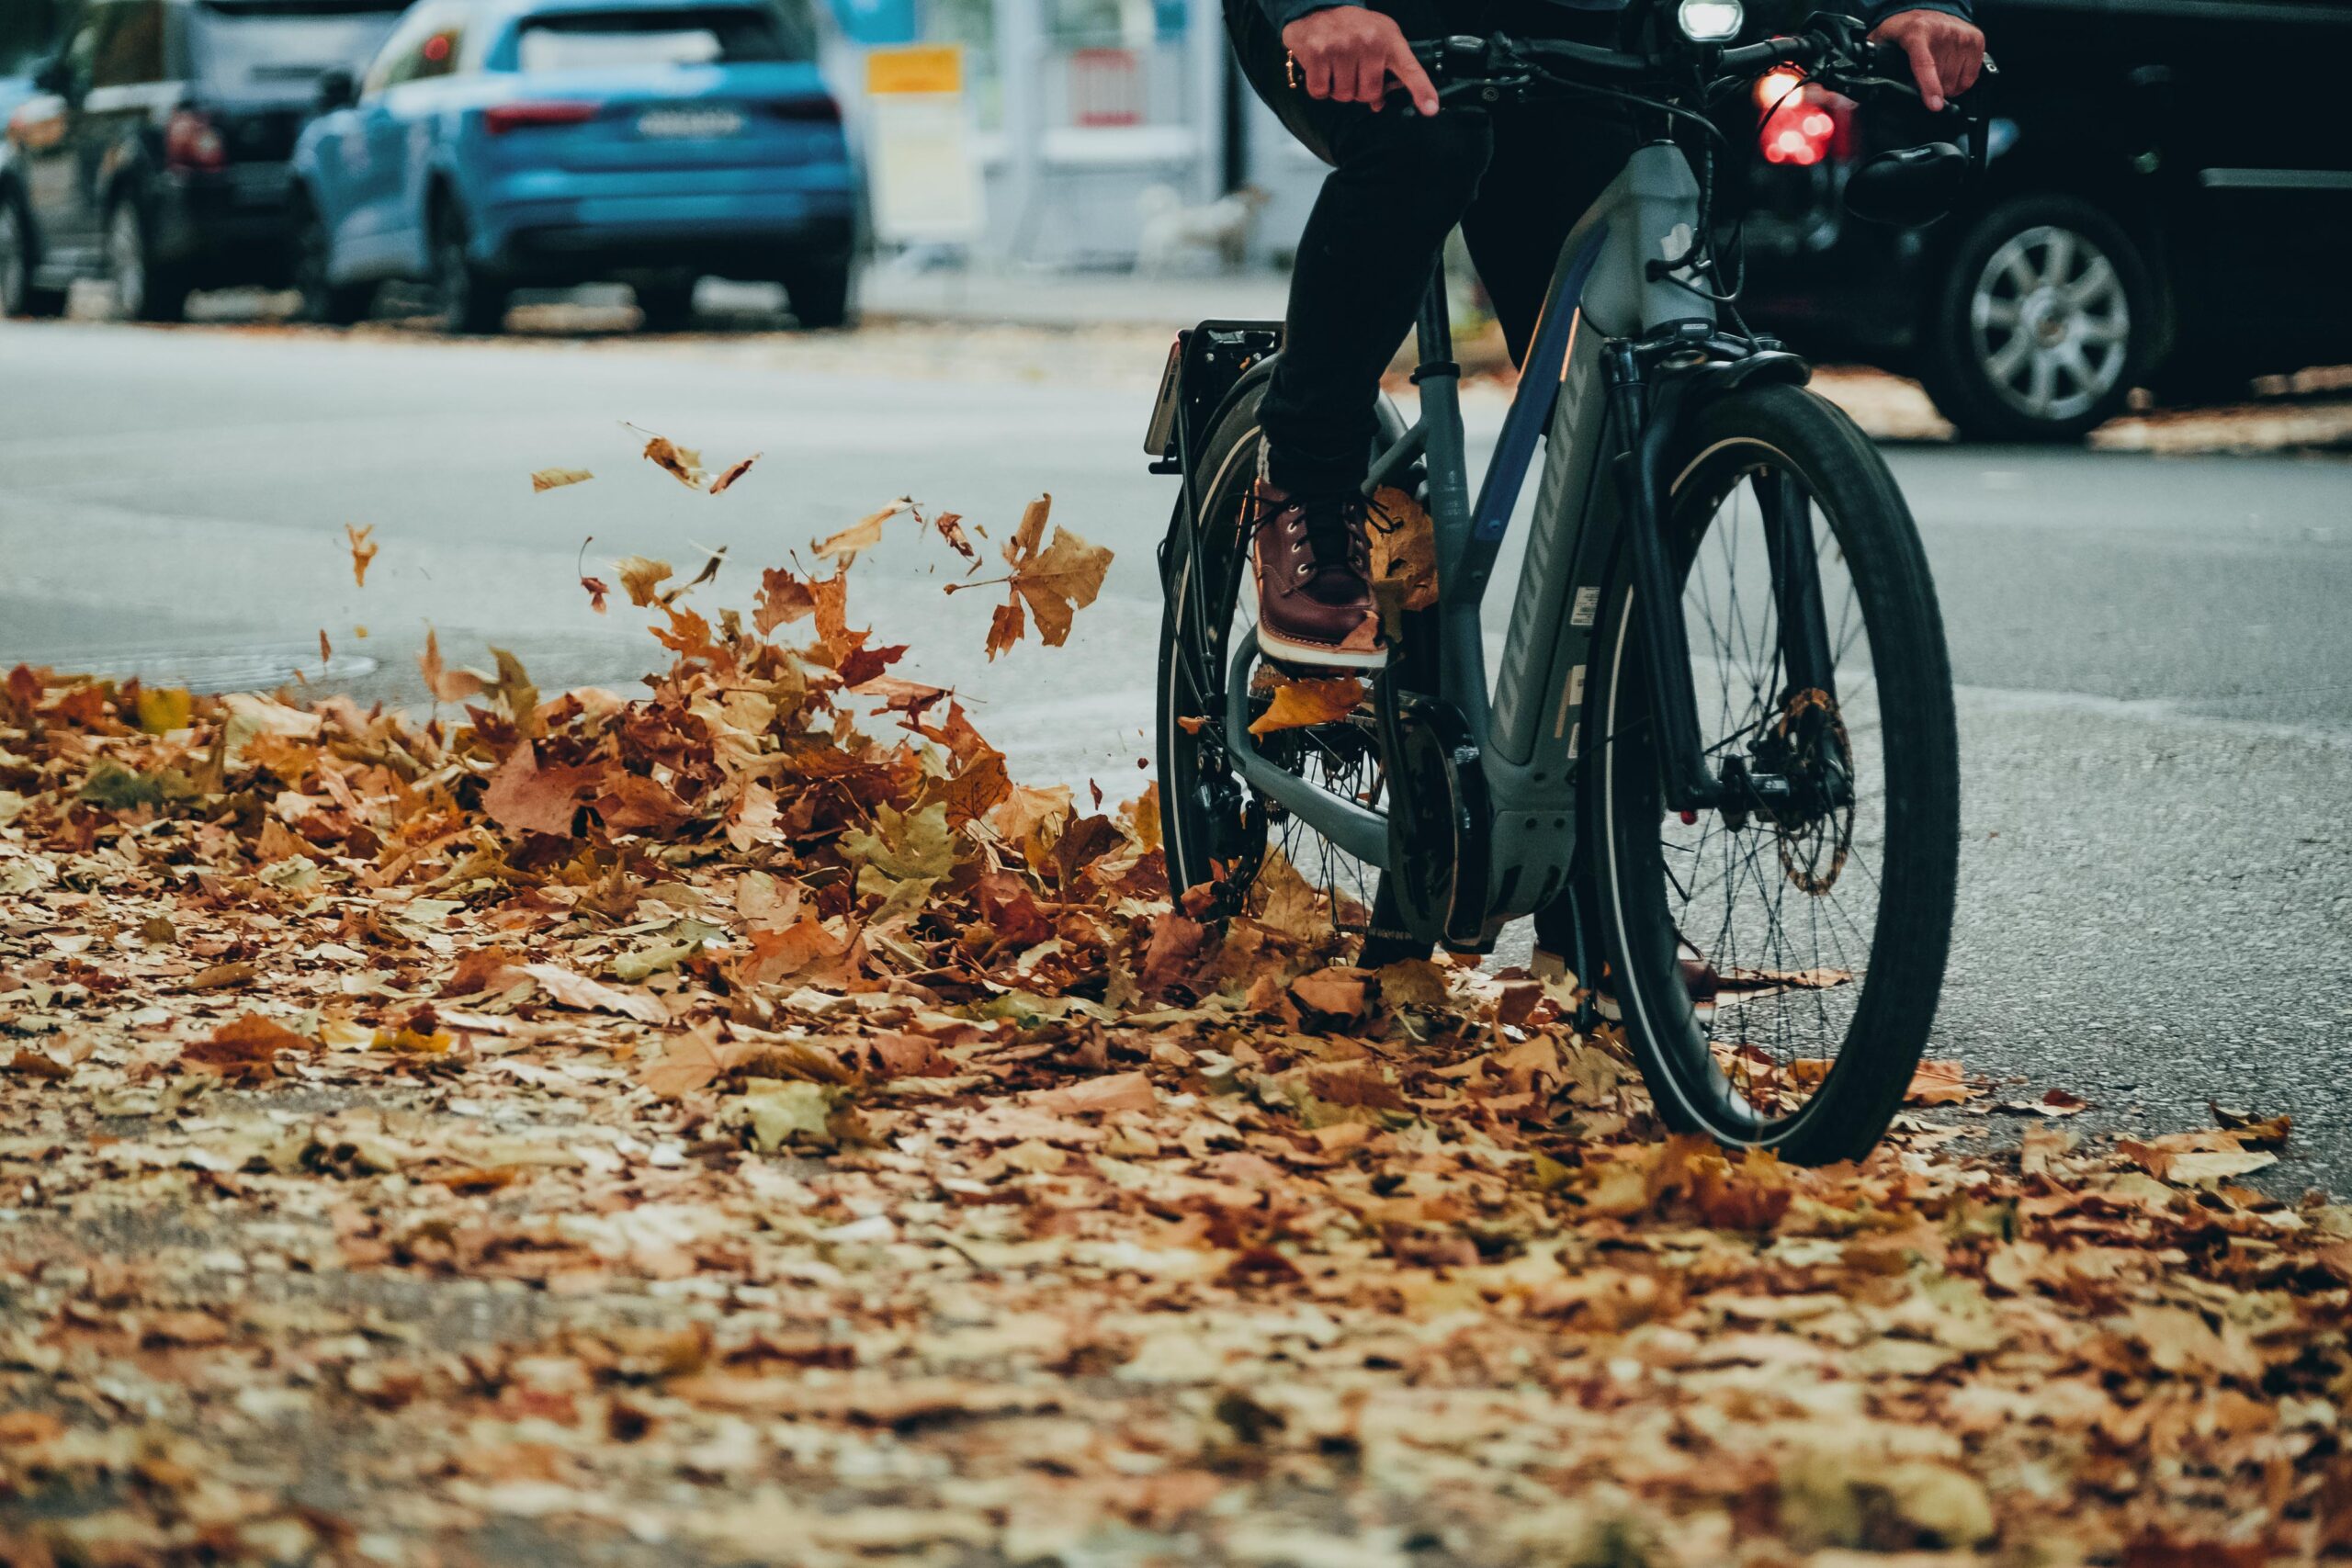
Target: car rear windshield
277, 48
717, 35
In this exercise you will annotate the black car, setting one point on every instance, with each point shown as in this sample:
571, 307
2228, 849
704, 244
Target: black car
154, 150
2168, 204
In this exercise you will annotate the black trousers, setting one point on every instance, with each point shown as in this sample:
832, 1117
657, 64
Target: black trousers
1515, 179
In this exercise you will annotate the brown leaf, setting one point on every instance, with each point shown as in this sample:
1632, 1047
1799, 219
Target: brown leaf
1116, 1091
1005, 627
524, 798
556, 478
1404, 547
681, 463
362, 550
783, 598
30, 1064
1300, 703
597, 588
860, 536
568, 990
250, 1041
446, 684
1935, 1082
641, 579
223, 976
951, 528
1335, 993
726, 482
687, 1063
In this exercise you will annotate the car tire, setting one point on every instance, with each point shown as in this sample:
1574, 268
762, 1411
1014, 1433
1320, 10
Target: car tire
146, 288
819, 295
667, 306
324, 301
20, 297
2043, 322
473, 302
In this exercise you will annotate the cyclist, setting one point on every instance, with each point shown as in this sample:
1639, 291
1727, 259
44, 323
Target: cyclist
1514, 179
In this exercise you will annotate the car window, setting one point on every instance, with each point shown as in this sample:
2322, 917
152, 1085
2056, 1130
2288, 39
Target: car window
28, 33
280, 46
130, 44
718, 35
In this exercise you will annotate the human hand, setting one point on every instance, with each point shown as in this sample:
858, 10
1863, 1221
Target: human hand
1348, 54
1946, 54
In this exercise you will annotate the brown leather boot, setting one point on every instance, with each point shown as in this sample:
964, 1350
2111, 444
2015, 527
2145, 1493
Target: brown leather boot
1314, 567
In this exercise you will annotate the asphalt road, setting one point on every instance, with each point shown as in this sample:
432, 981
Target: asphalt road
2155, 657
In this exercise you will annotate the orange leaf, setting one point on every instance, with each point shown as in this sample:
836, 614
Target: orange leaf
859, 537
681, 463
1298, 704
783, 598
362, 550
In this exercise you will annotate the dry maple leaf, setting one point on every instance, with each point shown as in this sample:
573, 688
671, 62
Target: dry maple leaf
1404, 546
362, 550
681, 463
1298, 704
556, 478
951, 528
597, 588
642, 579
446, 684
783, 598
860, 536
726, 482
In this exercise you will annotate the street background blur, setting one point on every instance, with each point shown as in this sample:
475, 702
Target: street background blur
2146, 621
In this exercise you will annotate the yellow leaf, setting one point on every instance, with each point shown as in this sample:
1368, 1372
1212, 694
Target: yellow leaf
642, 579
1298, 704
165, 710
859, 537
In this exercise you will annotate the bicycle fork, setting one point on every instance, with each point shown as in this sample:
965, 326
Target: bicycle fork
1690, 780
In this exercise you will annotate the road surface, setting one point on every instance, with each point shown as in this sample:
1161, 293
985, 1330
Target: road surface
2156, 663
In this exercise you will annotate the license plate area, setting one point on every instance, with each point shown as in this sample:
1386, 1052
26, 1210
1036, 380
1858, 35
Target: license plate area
689, 125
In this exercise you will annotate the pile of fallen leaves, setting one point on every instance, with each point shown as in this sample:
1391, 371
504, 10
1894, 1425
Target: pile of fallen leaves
737, 1123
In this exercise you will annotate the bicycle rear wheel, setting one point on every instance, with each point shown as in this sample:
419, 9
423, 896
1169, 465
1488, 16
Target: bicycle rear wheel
1777, 970
1238, 852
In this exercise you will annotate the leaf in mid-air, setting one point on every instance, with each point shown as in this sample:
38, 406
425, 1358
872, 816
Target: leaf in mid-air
556, 478
1298, 704
362, 550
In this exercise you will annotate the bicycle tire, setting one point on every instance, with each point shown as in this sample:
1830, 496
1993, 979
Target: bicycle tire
1224, 470
1671, 1017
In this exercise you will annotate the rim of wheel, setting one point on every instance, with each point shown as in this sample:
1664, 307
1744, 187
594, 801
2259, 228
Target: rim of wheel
1770, 921
127, 257
2050, 323
1321, 884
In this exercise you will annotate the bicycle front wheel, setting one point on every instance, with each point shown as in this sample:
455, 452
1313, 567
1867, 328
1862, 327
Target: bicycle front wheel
1777, 968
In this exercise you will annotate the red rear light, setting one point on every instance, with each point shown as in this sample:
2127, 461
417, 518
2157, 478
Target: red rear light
193, 143
502, 118
815, 108
1808, 126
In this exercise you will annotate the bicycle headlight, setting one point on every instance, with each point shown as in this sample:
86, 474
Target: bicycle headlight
1710, 21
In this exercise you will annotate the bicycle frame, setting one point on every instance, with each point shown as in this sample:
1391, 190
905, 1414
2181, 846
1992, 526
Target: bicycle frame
1624, 340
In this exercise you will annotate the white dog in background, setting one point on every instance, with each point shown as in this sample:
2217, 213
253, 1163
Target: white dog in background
1173, 229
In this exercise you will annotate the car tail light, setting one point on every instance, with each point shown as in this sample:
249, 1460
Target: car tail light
1803, 124
815, 108
192, 141
500, 118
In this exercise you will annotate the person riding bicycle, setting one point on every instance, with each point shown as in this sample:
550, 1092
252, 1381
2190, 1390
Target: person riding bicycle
1514, 179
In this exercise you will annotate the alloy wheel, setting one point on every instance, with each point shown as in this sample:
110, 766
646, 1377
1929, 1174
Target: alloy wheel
127, 260
2050, 323
16, 280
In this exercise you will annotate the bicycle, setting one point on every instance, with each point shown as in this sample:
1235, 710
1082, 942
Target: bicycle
1774, 749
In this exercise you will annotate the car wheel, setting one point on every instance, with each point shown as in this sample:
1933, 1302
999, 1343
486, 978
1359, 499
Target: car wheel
819, 295
472, 302
145, 289
667, 306
20, 295
323, 300
2043, 323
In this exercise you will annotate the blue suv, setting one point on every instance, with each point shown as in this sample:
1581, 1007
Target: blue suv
502, 144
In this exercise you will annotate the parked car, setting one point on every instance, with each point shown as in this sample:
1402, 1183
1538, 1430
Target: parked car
2169, 188
153, 152
502, 144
